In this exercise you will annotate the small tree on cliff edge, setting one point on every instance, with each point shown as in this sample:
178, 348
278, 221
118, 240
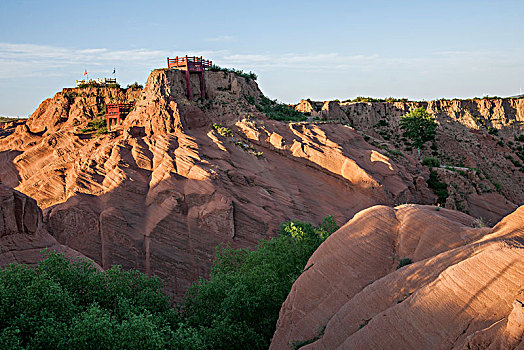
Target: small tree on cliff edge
419, 126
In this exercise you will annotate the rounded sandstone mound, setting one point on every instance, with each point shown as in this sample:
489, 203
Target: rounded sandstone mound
462, 287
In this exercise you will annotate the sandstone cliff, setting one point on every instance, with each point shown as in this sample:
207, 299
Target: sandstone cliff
22, 234
462, 291
477, 139
163, 191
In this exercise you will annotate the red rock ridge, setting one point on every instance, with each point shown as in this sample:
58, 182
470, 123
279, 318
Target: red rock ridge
463, 289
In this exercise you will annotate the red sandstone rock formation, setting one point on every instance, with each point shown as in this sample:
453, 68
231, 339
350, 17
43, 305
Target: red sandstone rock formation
462, 291
22, 235
163, 191
479, 134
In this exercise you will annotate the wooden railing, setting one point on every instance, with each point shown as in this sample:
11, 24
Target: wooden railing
118, 108
189, 62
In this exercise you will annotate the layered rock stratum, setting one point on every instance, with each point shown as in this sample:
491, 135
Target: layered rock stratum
478, 143
463, 289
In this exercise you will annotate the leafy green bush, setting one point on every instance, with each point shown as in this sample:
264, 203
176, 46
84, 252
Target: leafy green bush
438, 187
135, 85
7, 119
279, 111
250, 99
275, 110
98, 124
373, 99
101, 131
95, 84
238, 306
403, 262
222, 130
431, 162
239, 72
394, 99
419, 126
69, 304
393, 153
492, 131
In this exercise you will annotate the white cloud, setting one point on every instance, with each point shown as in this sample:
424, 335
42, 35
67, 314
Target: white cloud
32, 60
431, 70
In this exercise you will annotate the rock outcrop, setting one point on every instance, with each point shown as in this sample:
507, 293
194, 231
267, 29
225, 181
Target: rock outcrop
22, 235
163, 191
463, 289
477, 144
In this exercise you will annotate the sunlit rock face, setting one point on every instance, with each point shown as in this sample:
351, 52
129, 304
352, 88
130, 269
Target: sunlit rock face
461, 290
477, 142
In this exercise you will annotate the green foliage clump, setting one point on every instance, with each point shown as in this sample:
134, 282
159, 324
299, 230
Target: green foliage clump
419, 126
519, 138
222, 130
279, 111
373, 99
366, 99
95, 84
239, 72
393, 153
135, 85
431, 162
238, 306
68, 304
250, 99
7, 119
98, 124
438, 187
102, 131
492, 131
403, 262
394, 99
275, 110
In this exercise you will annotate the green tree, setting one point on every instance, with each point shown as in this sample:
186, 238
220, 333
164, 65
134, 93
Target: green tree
419, 126
68, 304
238, 306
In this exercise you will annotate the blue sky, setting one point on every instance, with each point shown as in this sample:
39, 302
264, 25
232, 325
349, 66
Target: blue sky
300, 49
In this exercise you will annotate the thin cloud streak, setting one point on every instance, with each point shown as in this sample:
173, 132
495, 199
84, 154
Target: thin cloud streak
32, 60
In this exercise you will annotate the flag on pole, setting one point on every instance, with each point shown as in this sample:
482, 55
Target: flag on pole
85, 71
114, 70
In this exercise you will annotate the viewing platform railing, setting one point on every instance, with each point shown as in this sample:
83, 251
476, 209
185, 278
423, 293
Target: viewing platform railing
118, 108
191, 63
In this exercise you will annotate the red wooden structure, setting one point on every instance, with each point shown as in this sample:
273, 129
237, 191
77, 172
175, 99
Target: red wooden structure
116, 112
191, 65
